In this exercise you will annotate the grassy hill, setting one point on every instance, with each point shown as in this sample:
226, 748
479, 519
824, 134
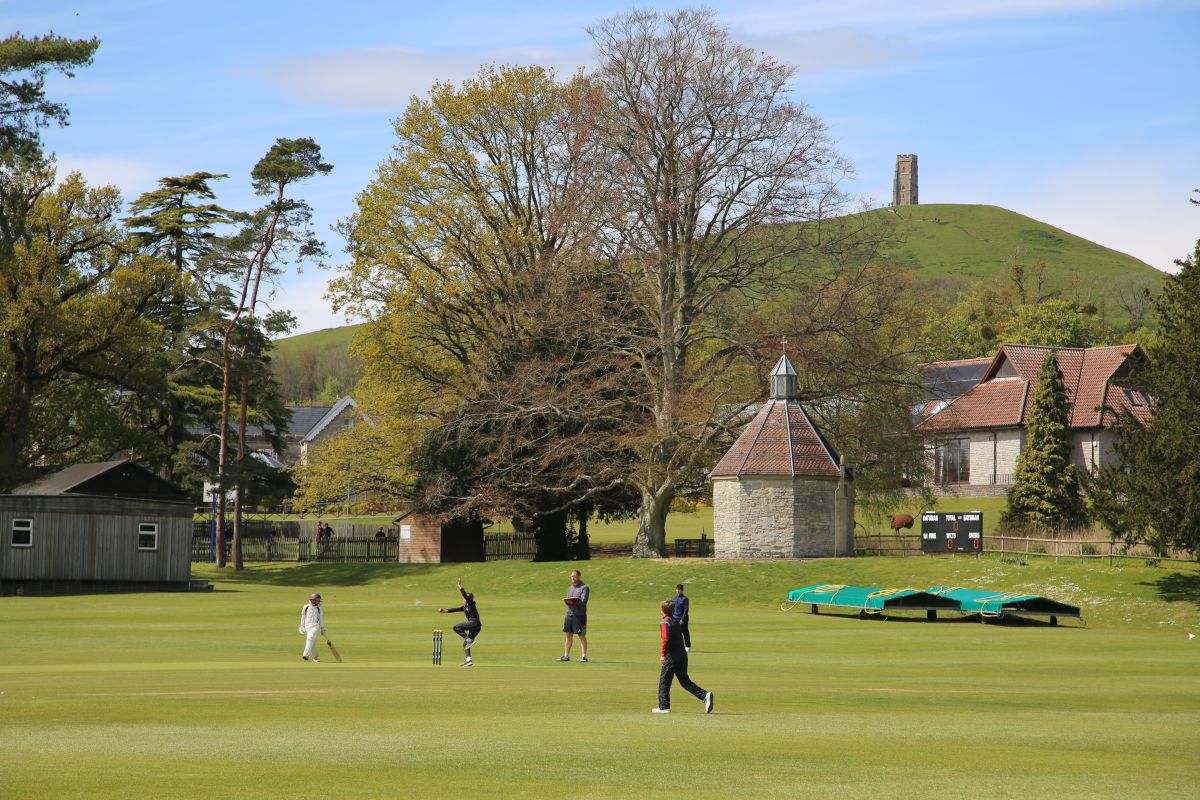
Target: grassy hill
304, 364
977, 242
178, 695
950, 246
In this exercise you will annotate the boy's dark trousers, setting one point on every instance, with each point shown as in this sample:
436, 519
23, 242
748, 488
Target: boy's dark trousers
468, 630
675, 666
687, 633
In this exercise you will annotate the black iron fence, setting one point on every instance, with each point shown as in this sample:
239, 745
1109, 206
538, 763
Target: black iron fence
694, 548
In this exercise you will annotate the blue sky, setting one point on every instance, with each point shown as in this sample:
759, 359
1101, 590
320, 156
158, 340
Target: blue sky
1082, 113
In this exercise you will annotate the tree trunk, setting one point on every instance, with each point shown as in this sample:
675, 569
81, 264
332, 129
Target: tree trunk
14, 434
238, 564
652, 522
550, 535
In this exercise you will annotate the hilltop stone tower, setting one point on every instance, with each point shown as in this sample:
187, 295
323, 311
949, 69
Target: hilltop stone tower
904, 186
781, 491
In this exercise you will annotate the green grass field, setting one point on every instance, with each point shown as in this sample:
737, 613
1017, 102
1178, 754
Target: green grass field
204, 695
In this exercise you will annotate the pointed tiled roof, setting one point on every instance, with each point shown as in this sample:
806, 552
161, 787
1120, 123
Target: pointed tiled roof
781, 441
1004, 394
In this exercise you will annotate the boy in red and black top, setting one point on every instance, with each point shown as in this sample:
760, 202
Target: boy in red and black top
468, 630
674, 660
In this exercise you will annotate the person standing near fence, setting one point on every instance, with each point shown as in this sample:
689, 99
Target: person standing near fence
673, 660
468, 630
312, 624
680, 615
576, 619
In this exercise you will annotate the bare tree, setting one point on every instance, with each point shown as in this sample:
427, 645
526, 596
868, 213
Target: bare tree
708, 158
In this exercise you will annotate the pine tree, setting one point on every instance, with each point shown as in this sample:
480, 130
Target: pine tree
1152, 492
1046, 487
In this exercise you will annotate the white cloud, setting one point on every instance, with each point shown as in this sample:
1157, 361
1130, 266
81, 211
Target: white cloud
770, 18
131, 175
384, 78
829, 50
304, 296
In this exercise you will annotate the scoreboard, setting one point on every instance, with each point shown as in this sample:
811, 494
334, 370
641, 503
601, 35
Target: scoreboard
960, 532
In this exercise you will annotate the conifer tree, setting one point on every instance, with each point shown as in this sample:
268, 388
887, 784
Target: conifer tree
1046, 487
1151, 491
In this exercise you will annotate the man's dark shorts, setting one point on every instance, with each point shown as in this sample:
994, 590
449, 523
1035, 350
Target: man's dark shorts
575, 624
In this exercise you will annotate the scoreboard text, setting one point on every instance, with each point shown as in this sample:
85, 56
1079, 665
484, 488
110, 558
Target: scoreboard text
960, 532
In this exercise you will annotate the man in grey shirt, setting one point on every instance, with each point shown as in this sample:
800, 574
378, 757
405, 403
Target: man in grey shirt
576, 619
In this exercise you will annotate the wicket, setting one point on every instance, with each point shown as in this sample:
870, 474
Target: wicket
437, 647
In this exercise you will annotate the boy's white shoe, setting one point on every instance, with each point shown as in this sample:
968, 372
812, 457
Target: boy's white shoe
660, 711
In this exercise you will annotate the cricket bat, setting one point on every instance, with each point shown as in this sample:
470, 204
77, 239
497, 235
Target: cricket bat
336, 655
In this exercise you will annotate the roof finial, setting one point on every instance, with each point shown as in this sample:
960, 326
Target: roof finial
784, 343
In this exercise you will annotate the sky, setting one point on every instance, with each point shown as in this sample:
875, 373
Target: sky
1084, 114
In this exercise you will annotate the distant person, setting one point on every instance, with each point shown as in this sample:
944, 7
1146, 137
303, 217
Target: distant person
680, 615
320, 530
379, 534
674, 662
468, 630
312, 624
576, 619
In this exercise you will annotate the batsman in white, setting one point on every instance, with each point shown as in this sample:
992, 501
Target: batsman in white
312, 624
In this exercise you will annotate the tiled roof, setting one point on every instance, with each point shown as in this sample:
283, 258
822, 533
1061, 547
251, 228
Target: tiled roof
1003, 397
781, 440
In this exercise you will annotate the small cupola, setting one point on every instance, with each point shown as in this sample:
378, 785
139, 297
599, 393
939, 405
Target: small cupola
783, 380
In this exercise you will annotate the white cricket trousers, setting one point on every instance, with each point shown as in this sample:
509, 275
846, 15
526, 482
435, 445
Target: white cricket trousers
310, 643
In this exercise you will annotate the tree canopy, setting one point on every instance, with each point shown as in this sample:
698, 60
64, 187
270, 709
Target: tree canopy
1152, 489
1046, 487
24, 108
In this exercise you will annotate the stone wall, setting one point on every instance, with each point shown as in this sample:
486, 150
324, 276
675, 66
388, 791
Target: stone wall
904, 183
782, 517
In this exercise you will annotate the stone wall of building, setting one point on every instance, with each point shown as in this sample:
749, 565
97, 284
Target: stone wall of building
994, 456
782, 518
904, 183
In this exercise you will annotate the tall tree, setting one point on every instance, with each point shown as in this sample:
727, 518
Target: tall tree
1152, 490
484, 207
75, 298
706, 156
1046, 487
24, 108
179, 223
279, 229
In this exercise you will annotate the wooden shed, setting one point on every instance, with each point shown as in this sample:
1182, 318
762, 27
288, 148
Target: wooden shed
425, 539
112, 526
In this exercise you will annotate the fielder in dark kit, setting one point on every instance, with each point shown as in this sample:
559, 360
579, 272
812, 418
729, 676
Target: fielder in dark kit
674, 660
468, 630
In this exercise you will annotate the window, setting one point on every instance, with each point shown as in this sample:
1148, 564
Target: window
952, 461
22, 533
147, 536
406, 531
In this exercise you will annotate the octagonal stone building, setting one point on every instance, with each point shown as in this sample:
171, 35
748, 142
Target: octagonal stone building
782, 491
